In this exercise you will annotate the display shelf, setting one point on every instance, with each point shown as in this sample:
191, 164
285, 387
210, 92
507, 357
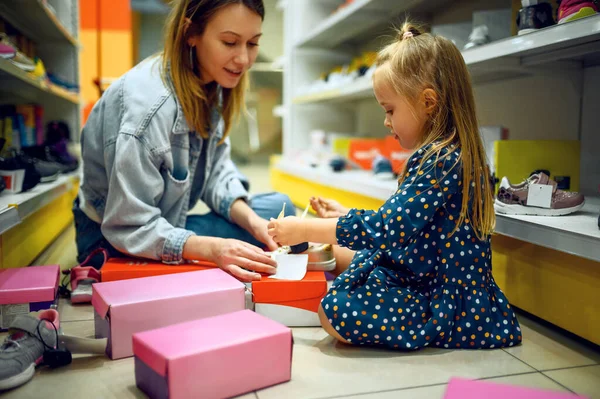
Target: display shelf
577, 234
14, 208
359, 16
36, 20
26, 85
507, 58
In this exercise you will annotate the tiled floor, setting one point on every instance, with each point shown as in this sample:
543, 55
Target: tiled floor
324, 369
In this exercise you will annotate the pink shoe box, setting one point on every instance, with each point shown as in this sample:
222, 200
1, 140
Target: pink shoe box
123, 308
460, 388
216, 357
27, 289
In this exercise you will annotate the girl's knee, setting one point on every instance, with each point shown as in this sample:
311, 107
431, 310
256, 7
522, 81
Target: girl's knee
328, 327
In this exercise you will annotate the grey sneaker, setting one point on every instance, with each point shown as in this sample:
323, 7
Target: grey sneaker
24, 348
513, 199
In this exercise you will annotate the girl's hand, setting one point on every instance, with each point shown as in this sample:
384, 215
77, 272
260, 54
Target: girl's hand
327, 208
242, 260
288, 231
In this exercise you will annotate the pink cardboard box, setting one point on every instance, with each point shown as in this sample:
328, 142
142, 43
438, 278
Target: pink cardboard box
27, 289
125, 307
216, 357
460, 388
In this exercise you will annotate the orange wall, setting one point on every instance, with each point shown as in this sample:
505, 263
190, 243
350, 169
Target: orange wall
106, 38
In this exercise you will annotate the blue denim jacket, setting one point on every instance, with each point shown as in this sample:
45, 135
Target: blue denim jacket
142, 167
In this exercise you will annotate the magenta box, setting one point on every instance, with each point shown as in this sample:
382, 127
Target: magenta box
125, 307
27, 289
216, 357
460, 388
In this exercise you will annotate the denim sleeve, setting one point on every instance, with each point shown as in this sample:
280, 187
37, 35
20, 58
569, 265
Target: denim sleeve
132, 221
224, 184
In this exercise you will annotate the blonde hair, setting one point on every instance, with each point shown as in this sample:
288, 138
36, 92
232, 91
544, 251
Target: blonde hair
197, 98
417, 61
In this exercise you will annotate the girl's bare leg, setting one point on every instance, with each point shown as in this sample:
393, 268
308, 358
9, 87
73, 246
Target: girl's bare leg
343, 257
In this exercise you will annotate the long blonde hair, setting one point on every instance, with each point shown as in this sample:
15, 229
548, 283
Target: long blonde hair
196, 98
417, 61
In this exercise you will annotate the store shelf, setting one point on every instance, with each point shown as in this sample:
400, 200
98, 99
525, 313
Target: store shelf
356, 181
26, 85
359, 89
578, 41
14, 208
36, 21
576, 234
359, 16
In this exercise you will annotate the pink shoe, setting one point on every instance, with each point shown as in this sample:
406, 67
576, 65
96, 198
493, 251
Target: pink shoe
570, 10
82, 278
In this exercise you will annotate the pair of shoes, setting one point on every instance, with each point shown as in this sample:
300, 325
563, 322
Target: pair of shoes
82, 277
19, 59
29, 339
516, 199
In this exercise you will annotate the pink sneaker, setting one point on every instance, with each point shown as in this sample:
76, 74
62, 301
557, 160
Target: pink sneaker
512, 199
82, 278
570, 10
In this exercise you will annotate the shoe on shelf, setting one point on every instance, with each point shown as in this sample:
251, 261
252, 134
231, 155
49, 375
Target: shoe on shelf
63, 162
24, 348
39, 71
382, 168
7, 49
15, 163
513, 199
534, 16
570, 10
18, 59
478, 37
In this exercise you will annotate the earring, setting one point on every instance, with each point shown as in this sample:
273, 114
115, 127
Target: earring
192, 57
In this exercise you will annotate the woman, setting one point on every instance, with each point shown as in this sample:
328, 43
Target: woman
156, 142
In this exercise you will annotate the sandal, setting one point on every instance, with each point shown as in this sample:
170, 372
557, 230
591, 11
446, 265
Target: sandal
82, 277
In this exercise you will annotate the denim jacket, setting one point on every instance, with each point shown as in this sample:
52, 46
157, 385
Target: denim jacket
142, 168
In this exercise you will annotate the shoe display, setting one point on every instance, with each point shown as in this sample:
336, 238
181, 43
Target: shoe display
516, 199
534, 16
382, 168
53, 154
16, 163
571, 10
24, 348
478, 37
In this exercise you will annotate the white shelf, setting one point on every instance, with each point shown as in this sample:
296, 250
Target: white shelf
26, 85
577, 234
14, 208
359, 16
35, 20
578, 40
354, 181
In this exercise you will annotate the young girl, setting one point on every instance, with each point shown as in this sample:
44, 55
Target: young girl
421, 275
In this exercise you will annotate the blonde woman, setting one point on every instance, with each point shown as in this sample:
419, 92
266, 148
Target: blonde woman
156, 143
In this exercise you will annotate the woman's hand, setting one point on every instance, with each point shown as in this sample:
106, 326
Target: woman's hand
242, 260
327, 208
288, 231
259, 230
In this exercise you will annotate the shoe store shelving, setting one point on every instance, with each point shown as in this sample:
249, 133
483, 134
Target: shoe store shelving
317, 38
14, 208
508, 58
53, 26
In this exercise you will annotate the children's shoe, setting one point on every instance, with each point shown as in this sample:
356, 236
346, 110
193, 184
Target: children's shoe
18, 58
478, 37
82, 277
512, 199
570, 10
382, 168
24, 348
534, 17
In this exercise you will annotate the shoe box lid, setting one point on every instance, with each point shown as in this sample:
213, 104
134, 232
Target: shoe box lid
127, 268
29, 284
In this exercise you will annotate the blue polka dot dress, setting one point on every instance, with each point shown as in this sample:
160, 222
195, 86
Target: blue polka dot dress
411, 283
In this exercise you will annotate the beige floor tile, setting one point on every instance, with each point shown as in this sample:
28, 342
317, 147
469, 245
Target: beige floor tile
581, 380
323, 368
530, 380
70, 312
546, 349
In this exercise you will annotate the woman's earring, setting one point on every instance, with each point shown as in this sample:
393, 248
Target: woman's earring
192, 57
